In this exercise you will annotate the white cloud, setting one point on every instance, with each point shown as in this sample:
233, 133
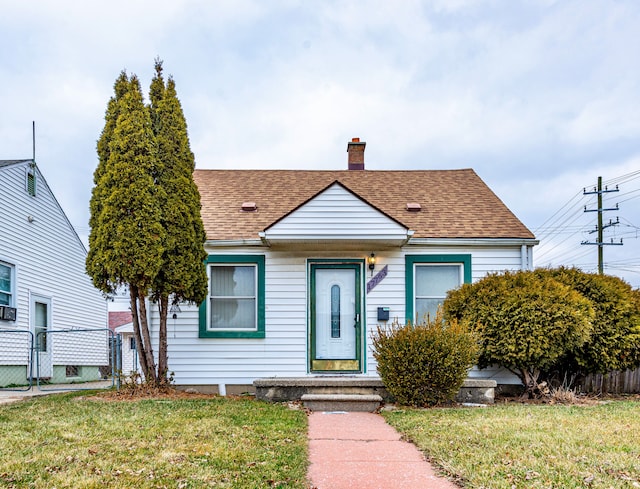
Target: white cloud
537, 96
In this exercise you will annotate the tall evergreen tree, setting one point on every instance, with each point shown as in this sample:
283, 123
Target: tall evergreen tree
100, 192
146, 231
126, 240
182, 276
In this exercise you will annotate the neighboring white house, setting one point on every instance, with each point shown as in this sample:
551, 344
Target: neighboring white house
303, 265
121, 323
43, 286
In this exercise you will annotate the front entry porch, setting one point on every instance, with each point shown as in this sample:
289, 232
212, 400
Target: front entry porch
352, 393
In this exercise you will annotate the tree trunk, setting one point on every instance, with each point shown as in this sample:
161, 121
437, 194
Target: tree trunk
152, 376
531, 386
133, 294
163, 368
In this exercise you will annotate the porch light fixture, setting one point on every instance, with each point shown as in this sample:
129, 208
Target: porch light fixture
371, 260
174, 310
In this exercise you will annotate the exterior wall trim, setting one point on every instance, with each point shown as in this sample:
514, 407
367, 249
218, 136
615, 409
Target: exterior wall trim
473, 241
259, 260
411, 260
357, 265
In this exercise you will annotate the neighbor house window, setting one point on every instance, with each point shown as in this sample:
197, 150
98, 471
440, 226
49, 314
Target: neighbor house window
429, 278
235, 303
72, 371
132, 343
6, 284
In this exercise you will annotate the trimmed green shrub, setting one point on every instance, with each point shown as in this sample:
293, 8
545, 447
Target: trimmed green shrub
525, 321
424, 364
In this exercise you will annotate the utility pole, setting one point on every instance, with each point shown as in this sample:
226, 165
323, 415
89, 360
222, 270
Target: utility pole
600, 227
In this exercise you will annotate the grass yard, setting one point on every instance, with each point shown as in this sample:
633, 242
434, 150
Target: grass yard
530, 446
70, 440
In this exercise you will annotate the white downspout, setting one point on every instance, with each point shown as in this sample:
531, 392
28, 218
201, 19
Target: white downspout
524, 265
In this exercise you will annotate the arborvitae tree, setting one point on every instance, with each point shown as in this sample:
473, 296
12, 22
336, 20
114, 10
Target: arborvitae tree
127, 238
182, 276
146, 230
100, 192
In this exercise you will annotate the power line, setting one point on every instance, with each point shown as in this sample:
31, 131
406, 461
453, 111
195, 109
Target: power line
623, 178
568, 222
567, 205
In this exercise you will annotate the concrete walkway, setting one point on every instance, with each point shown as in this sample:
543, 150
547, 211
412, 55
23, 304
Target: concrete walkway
7, 396
351, 449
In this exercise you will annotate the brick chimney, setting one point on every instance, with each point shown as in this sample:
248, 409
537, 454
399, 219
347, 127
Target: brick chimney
356, 154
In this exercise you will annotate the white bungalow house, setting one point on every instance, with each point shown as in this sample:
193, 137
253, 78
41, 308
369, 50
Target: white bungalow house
303, 265
44, 289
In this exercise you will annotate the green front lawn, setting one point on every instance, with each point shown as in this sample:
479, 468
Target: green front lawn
69, 440
515, 446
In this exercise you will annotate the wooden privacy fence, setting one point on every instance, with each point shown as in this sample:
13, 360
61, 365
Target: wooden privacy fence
615, 382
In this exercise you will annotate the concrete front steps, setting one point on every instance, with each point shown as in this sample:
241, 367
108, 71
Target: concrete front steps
348, 393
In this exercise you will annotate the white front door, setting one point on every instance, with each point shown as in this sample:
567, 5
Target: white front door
335, 317
40, 326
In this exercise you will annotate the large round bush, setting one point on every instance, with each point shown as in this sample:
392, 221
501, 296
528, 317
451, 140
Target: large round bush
614, 343
525, 322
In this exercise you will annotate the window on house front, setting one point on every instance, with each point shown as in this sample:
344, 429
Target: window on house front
6, 284
429, 278
235, 303
132, 343
432, 282
233, 298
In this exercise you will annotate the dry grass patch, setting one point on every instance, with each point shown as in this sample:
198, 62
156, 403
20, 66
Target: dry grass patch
515, 446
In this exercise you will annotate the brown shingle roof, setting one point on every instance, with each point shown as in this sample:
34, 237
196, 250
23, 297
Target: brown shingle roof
454, 203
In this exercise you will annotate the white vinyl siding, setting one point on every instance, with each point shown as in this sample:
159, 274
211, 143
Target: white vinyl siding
49, 257
336, 214
283, 351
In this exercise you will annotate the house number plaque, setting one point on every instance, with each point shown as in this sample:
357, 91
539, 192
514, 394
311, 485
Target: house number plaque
379, 277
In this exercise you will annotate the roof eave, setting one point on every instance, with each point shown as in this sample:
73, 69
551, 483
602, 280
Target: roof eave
228, 243
473, 241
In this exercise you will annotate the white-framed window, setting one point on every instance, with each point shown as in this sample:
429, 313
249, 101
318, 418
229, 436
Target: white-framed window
432, 282
233, 297
7, 284
235, 305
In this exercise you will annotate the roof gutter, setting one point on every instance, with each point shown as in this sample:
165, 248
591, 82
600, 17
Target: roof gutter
473, 241
226, 243
263, 238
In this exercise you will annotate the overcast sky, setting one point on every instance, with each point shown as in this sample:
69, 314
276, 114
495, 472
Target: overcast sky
539, 97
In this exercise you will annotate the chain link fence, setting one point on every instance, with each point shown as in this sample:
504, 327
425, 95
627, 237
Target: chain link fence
16, 359
63, 359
